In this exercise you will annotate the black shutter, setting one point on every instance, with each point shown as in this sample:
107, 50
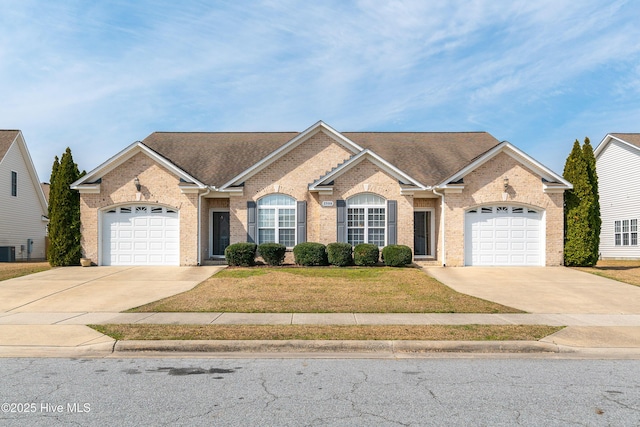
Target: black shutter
341, 207
392, 222
301, 222
252, 229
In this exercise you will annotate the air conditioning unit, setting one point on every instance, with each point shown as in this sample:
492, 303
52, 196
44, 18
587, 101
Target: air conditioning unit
7, 254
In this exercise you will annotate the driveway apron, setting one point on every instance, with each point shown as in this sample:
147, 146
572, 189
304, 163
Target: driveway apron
542, 289
97, 289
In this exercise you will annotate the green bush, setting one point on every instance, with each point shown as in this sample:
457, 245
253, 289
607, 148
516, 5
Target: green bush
366, 254
340, 254
310, 253
241, 254
272, 253
396, 255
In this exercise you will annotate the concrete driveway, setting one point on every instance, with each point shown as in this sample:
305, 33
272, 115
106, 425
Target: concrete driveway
542, 289
97, 289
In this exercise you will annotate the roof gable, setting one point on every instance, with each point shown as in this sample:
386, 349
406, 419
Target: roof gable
402, 177
288, 147
631, 140
9, 138
137, 147
550, 178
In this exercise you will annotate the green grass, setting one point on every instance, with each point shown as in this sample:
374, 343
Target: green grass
327, 332
323, 290
11, 270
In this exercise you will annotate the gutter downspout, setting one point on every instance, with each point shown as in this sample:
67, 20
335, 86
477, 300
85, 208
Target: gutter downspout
200, 197
442, 228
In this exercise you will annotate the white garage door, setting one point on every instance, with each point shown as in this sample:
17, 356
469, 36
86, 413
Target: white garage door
504, 235
141, 235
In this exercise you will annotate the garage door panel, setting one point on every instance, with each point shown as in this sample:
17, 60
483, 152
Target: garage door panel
504, 235
140, 235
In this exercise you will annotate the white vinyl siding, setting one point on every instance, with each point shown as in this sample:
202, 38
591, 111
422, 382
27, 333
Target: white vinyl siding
21, 214
619, 188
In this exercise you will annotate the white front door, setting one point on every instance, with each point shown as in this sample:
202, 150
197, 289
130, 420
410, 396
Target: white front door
504, 235
140, 235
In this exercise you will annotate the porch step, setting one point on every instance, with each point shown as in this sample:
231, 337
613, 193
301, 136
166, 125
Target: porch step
214, 262
425, 263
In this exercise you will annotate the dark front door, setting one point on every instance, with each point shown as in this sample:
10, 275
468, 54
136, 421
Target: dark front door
220, 232
421, 233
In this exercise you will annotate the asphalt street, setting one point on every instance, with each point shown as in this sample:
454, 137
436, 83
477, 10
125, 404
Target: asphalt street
314, 392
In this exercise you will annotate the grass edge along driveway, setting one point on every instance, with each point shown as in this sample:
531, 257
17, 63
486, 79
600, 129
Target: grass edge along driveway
323, 290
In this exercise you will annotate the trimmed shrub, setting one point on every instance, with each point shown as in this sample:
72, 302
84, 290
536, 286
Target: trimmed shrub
272, 253
396, 255
310, 253
241, 254
366, 254
340, 254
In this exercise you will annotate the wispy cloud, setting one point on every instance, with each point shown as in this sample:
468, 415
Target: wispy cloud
98, 75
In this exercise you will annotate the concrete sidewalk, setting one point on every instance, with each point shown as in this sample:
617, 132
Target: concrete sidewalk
64, 334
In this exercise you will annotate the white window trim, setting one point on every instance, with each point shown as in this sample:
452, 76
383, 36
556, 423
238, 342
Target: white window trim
366, 208
432, 238
277, 227
624, 236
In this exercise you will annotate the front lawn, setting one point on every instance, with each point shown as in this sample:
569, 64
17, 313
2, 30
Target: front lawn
323, 290
621, 270
325, 332
10, 270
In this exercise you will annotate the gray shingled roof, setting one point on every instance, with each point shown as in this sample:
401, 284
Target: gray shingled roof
631, 138
216, 158
6, 139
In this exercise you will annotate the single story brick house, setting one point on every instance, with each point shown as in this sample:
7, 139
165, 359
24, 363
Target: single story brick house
455, 198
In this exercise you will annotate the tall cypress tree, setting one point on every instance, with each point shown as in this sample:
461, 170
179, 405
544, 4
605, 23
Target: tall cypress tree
64, 213
594, 212
578, 245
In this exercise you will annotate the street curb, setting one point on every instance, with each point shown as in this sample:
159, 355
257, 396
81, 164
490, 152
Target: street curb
335, 346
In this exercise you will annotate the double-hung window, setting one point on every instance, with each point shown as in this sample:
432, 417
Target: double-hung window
277, 220
366, 219
625, 232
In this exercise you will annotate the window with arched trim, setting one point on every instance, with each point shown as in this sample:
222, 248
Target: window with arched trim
277, 220
366, 219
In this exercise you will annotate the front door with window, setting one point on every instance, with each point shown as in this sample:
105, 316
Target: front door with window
220, 233
422, 233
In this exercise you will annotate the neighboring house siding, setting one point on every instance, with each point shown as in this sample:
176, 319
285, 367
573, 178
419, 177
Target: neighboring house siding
484, 186
20, 216
619, 188
159, 186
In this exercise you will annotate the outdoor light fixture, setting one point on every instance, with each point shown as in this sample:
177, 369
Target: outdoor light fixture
505, 181
136, 182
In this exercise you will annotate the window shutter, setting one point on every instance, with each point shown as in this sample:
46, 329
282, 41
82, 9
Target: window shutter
252, 229
392, 222
341, 206
301, 221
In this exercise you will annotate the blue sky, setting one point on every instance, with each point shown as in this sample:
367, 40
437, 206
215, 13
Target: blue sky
96, 76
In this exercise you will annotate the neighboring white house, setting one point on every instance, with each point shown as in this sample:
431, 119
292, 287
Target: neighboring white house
618, 167
23, 207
